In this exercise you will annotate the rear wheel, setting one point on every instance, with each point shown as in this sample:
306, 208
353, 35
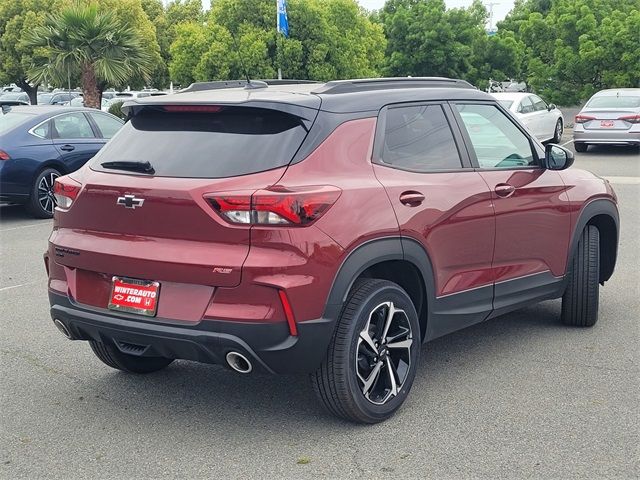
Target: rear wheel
580, 299
372, 358
114, 358
557, 135
580, 147
41, 202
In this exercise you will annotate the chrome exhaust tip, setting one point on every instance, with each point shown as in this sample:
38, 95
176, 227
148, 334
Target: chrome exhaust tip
63, 328
239, 362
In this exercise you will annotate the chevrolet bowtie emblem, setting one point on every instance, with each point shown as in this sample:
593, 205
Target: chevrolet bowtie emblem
130, 201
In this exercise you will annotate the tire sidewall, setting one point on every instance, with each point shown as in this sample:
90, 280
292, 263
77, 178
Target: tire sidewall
386, 292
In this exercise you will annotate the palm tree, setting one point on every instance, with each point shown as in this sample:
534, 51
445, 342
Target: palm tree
95, 45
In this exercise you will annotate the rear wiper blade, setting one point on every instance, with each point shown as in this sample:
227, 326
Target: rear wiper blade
144, 167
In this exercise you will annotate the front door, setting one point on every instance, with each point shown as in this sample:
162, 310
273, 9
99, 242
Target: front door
531, 205
441, 203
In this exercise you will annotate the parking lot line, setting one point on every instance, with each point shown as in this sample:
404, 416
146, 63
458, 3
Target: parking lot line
624, 180
40, 224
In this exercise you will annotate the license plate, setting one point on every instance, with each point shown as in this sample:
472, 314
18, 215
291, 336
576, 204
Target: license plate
134, 296
606, 123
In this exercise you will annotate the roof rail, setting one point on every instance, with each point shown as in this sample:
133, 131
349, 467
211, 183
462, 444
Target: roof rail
365, 84
201, 86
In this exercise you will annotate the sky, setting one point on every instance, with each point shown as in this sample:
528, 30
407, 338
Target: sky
500, 7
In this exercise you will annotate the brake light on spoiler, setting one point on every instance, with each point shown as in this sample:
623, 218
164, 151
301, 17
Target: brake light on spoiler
276, 205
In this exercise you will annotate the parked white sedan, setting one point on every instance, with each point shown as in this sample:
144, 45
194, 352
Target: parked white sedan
542, 120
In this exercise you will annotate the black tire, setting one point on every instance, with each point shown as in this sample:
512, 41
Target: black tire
580, 299
557, 133
341, 380
580, 147
114, 358
41, 202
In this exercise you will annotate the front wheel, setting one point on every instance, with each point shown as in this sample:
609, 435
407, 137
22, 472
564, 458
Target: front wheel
373, 356
580, 299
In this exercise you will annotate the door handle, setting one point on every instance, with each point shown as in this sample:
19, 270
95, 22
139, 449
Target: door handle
504, 190
67, 148
411, 198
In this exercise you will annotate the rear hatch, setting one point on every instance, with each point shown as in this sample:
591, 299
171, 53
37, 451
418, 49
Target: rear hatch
156, 222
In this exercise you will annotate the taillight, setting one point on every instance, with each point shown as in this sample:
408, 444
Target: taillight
276, 205
4, 155
631, 118
65, 191
583, 118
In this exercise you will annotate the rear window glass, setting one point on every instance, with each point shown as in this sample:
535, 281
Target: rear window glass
11, 119
622, 101
233, 141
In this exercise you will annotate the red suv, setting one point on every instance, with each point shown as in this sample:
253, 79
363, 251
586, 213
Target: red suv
328, 229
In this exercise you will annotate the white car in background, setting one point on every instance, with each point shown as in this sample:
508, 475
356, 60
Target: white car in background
543, 120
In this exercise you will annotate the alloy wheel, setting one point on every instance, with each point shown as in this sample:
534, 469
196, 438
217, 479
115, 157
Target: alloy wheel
383, 355
45, 192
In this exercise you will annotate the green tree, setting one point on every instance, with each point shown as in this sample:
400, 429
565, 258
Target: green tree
91, 43
328, 39
17, 18
426, 39
576, 47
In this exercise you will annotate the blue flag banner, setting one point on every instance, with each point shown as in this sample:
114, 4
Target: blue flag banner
283, 21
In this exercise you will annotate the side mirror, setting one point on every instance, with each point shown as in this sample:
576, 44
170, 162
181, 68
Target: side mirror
551, 106
557, 157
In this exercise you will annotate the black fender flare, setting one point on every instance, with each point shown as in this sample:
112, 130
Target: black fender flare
376, 251
600, 206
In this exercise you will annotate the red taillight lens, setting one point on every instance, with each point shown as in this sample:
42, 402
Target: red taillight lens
583, 118
65, 191
276, 206
4, 155
631, 118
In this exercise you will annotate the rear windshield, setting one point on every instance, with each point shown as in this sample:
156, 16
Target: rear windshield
621, 101
233, 141
12, 119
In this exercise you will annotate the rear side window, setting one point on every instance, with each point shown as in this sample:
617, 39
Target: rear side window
232, 141
419, 138
72, 125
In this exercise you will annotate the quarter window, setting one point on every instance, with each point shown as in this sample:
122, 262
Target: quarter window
419, 138
72, 125
497, 142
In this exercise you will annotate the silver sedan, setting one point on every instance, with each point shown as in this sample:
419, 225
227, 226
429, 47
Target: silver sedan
610, 117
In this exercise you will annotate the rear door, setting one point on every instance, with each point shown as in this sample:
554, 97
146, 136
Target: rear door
545, 120
527, 115
532, 218
441, 203
75, 139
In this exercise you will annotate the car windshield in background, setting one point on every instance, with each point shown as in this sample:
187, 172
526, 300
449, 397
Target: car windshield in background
233, 141
506, 103
620, 101
12, 119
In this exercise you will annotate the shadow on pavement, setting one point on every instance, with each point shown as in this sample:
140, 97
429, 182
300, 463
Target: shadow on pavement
214, 398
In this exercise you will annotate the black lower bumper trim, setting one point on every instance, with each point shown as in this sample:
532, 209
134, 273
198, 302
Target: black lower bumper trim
270, 347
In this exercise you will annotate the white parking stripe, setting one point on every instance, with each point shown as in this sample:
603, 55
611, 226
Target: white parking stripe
624, 180
566, 143
18, 286
41, 224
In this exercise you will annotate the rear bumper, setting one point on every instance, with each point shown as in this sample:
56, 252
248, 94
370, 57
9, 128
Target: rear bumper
611, 137
270, 347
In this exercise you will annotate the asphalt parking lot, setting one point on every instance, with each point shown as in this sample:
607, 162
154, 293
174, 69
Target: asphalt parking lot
520, 396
